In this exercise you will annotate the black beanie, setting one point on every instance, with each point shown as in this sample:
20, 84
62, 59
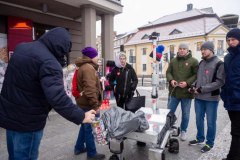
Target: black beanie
234, 33
208, 45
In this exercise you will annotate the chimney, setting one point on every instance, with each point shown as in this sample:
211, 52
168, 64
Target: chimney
189, 7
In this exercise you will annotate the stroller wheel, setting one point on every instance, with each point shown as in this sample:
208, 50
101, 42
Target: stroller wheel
114, 157
173, 145
163, 155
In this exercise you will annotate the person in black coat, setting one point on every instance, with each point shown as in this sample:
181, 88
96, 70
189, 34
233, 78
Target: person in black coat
33, 85
230, 93
123, 80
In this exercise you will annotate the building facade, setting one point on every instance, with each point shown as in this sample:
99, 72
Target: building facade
193, 27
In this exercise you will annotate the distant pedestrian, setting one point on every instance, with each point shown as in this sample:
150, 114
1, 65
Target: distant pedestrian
32, 86
181, 73
231, 90
210, 78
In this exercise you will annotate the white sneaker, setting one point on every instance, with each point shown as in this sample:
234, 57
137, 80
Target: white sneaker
183, 136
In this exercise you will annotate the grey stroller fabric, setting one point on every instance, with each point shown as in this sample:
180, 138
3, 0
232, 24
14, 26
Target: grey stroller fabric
119, 122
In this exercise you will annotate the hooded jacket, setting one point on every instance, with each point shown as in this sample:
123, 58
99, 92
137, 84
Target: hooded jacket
88, 84
231, 90
182, 69
33, 84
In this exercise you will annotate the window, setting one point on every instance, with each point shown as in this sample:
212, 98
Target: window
144, 69
220, 48
175, 31
144, 51
172, 54
199, 44
132, 58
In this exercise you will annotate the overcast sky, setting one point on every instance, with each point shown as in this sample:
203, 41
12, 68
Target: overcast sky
137, 13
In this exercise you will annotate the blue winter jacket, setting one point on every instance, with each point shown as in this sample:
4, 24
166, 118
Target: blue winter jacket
33, 84
231, 90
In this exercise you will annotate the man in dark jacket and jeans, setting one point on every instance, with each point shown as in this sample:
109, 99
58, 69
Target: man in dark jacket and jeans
181, 73
33, 85
231, 90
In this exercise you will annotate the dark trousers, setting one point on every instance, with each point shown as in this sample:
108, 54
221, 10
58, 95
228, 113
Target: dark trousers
234, 152
85, 137
120, 100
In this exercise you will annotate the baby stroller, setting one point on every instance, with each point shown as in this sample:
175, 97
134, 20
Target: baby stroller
144, 126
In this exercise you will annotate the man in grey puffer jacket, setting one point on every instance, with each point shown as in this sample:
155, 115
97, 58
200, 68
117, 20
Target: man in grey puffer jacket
210, 78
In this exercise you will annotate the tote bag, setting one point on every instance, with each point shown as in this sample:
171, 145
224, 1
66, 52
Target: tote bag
135, 103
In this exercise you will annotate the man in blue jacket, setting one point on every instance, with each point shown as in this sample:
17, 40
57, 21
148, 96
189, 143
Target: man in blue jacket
33, 85
231, 90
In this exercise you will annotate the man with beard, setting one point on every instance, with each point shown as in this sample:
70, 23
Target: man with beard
210, 78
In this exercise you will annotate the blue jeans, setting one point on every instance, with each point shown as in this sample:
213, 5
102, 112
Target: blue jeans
85, 136
185, 106
210, 108
23, 145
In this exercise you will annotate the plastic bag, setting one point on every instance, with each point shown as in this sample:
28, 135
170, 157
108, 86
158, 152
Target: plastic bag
99, 132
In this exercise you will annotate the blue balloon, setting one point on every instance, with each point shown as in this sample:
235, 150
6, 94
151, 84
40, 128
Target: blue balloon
160, 49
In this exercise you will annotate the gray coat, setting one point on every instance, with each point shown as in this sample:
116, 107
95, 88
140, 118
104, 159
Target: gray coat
205, 76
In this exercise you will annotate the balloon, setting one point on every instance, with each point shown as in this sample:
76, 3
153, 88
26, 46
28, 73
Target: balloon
160, 49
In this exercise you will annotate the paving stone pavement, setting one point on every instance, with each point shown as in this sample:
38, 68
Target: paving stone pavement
60, 136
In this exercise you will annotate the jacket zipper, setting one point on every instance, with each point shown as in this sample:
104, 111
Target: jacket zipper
125, 84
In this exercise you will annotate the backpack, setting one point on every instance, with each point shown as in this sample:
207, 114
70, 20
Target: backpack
75, 91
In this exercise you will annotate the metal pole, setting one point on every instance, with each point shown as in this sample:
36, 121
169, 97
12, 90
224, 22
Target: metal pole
155, 75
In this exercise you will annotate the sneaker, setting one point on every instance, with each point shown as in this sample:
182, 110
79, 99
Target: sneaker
77, 152
183, 136
97, 156
206, 148
195, 142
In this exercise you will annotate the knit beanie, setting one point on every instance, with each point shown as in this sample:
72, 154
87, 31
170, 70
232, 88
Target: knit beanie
208, 45
183, 45
234, 33
90, 52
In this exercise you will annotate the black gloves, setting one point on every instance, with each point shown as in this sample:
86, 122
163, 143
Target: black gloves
194, 90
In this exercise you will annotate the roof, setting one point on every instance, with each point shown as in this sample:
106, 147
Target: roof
120, 36
187, 24
180, 16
